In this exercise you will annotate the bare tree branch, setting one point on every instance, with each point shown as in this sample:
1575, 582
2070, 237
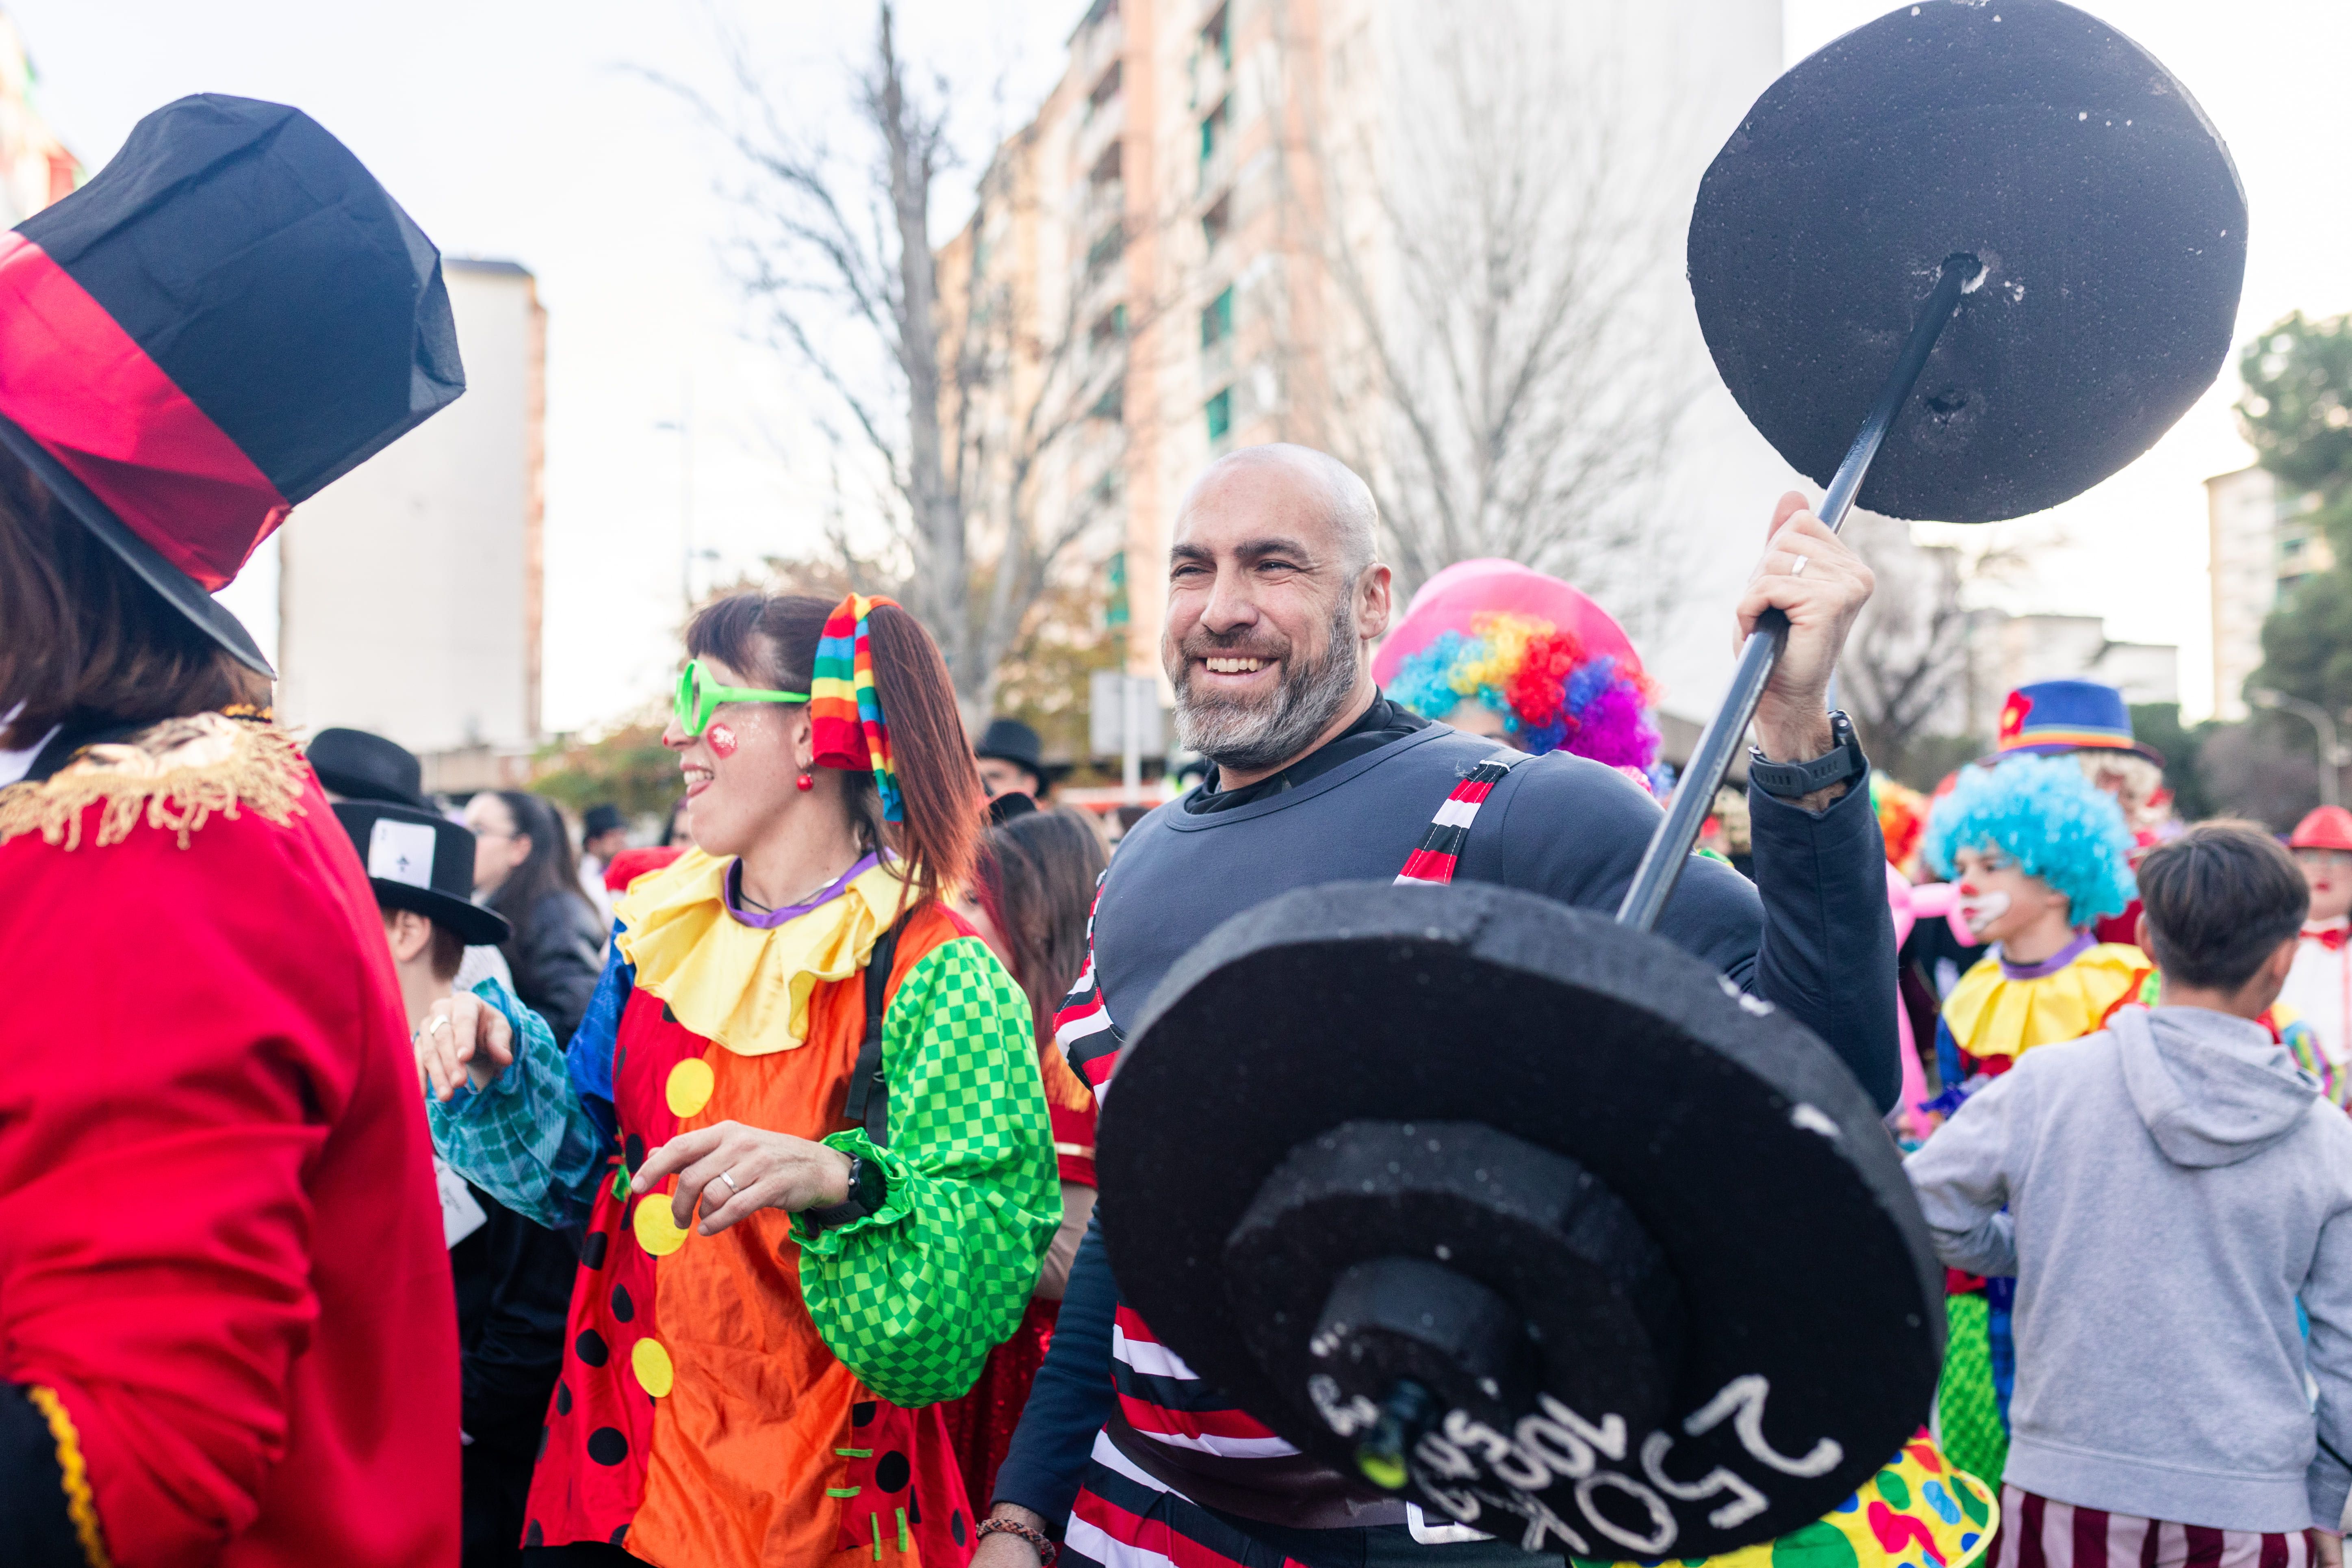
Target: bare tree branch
1508, 394
972, 399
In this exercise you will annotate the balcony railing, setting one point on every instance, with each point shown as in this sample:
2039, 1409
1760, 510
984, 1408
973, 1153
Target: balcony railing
1096, 46
1095, 137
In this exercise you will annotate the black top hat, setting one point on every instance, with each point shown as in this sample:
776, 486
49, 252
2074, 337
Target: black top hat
2097, 199
1517, 1197
1011, 740
360, 766
422, 861
232, 314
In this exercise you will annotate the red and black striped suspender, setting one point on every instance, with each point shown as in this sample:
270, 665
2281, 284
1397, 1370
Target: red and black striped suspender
1441, 847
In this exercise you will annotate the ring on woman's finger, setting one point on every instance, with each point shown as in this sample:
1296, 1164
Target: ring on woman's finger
434, 1024
729, 1181
1798, 570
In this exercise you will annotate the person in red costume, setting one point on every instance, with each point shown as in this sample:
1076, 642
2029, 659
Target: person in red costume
225, 1326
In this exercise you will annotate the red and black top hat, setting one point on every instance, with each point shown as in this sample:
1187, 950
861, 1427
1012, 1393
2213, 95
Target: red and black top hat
232, 314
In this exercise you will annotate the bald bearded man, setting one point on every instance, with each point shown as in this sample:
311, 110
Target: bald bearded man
1275, 599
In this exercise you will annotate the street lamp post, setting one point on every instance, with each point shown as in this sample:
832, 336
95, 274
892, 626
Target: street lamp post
2333, 755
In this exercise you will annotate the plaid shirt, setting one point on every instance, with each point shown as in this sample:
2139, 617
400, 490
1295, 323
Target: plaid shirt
534, 1140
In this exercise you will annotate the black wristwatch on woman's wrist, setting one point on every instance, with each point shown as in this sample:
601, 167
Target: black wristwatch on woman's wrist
869, 1189
1843, 763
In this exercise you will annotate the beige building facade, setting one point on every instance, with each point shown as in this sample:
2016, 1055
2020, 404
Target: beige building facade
410, 590
1222, 223
2260, 539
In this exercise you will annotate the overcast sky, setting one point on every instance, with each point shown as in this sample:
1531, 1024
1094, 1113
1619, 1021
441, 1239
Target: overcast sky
524, 131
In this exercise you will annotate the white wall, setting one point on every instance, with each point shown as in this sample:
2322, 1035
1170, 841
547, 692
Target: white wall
408, 589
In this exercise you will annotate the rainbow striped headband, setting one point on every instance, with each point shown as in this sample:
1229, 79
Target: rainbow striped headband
843, 707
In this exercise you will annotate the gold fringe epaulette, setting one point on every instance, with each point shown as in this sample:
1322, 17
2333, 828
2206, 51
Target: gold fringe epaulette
176, 773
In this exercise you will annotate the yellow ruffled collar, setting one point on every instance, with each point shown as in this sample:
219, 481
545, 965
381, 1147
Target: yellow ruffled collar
738, 986
1991, 1015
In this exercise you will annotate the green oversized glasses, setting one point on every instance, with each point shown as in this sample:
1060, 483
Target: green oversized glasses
698, 697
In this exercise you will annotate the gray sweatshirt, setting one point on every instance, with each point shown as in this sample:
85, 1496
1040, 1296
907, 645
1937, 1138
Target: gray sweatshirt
2173, 1185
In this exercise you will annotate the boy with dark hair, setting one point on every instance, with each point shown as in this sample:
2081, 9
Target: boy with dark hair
2164, 1190
513, 1277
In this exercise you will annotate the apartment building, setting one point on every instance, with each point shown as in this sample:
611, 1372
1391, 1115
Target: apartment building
2260, 539
1228, 223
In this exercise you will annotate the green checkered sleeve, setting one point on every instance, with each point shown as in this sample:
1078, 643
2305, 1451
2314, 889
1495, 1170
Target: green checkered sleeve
526, 1139
913, 1298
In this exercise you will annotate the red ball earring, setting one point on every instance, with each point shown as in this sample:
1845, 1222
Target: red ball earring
805, 782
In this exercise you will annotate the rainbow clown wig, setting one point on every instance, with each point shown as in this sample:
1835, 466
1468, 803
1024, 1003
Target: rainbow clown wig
2054, 823
1533, 649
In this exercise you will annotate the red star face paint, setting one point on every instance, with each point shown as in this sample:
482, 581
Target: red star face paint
722, 740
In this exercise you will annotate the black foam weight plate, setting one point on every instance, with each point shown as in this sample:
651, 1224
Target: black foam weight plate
2102, 203
1812, 1300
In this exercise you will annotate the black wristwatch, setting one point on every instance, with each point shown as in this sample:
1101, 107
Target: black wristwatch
1843, 763
869, 1189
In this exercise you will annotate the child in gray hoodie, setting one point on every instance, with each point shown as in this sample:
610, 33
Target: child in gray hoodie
2163, 1192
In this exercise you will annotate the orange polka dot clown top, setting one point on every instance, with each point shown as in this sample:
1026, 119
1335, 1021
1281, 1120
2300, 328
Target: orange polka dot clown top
768, 1396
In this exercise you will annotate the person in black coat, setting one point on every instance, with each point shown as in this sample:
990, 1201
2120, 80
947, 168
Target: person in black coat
524, 869
513, 1277
514, 1285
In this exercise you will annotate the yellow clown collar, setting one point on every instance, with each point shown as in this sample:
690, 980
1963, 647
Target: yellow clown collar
1992, 1014
738, 985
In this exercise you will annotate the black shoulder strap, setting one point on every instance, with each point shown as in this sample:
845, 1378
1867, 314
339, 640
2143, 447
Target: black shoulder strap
869, 1095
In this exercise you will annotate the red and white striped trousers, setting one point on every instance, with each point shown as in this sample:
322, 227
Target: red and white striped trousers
2037, 1533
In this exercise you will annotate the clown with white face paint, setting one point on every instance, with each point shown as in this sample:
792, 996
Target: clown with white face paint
2037, 855
2319, 987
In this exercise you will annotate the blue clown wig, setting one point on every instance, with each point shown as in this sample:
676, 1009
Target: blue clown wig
2055, 824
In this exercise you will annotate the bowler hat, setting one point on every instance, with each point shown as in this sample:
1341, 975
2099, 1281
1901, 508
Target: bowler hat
232, 314
1011, 740
360, 766
2051, 716
422, 861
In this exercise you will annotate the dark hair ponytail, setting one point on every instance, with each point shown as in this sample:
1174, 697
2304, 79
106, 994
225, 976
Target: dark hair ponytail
1036, 880
774, 635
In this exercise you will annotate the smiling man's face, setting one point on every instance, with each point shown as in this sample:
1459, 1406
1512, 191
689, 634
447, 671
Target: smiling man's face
1272, 596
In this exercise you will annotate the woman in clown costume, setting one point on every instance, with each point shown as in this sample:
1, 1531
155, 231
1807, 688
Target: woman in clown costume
1495, 648
802, 1129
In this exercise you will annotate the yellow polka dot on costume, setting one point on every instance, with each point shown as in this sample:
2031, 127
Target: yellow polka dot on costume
657, 1233
651, 1364
689, 1086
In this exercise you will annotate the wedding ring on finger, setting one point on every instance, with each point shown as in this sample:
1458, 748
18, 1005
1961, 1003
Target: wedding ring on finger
434, 1024
1797, 568
729, 1181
